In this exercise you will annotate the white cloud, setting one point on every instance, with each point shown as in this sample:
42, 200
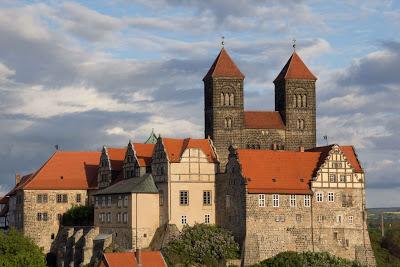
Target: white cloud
5, 72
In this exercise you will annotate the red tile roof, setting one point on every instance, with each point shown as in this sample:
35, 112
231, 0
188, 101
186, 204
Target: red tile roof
144, 153
224, 66
176, 147
128, 259
23, 181
263, 120
66, 170
261, 167
117, 156
295, 69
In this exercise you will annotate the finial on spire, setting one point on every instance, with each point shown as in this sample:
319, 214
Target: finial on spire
222, 41
294, 45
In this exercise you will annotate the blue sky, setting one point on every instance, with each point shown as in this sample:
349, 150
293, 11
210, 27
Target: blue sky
83, 74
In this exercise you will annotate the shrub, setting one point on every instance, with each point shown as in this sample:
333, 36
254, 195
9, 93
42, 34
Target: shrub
78, 215
309, 259
200, 245
18, 250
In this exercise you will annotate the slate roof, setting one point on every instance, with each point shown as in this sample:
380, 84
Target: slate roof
295, 69
143, 184
223, 66
263, 120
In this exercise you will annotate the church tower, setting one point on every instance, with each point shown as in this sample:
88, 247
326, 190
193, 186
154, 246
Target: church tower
223, 102
296, 102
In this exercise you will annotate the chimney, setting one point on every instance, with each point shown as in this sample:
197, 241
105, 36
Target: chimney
301, 149
17, 178
138, 256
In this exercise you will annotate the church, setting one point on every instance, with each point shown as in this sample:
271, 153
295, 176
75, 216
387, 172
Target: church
258, 174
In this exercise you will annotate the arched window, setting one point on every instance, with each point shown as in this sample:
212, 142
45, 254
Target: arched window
222, 99
298, 101
294, 101
300, 124
226, 99
228, 122
304, 101
231, 99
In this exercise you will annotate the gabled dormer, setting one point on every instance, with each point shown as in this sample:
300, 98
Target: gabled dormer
339, 168
104, 176
160, 161
131, 166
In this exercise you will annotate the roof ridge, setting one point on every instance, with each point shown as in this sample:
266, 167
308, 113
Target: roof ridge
41, 168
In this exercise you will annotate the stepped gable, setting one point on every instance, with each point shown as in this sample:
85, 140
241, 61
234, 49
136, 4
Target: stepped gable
295, 69
263, 120
65, 170
176, 147
224, 66
348, 151
286, 172
144, 153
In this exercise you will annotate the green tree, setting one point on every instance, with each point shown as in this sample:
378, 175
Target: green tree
201, 245
309, 259
391, 242
18, 250
78, 215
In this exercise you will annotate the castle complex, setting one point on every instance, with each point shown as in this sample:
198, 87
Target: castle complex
258, 174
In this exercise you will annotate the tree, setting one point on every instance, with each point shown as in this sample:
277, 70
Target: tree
18, 250
78, 215
391, 242
201, 245
310, 259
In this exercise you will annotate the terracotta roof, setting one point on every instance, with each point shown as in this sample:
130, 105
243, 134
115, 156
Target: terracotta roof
144, 153
271, 171
128, 259
116, 156
224, 66
348, 151
176, 147
263, 120
295, 69
66, 170
23, 181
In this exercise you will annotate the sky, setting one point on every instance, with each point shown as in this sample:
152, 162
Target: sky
83, 74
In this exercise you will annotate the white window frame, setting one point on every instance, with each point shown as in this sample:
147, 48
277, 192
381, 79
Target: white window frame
207, 197
184, 198
275, 200
351, 219
307, 201
320, 197
261, 200
125, 217
331, 197
293, 201
207, 218
184, 220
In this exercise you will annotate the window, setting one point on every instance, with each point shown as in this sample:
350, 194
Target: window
184, 197
52, 236
331, 197
275, 200
321, 218
108, 217
126, 201
293, 201
300, 124
109, 201
228, 122
184, 219
280, 218
350, 219
332, 178
228, 201
337, 165
59, 198
300, 101
39, 216
307, 201
119, 217
97, 202
137, 171
65, 198
342, 178
78, 198
119, 201
45, 216
125, 217
41, 198
206, 197
161, 198
261, 200
339, 219
320, 197
298, 217
62, 198
207, 218
103, 201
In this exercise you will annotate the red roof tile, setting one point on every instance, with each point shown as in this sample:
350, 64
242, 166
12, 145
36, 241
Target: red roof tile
144, 153
128, 259
261, 167
23, 181
176, 147
224, 66
117, 156
66, 170
263, 120
295, 69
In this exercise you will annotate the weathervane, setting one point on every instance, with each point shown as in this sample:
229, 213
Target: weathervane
294, 44
222, 41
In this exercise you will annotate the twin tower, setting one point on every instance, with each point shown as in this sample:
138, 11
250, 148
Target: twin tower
291, 126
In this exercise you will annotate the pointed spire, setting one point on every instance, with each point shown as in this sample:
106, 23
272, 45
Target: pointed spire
295, 69
152, 138
224, 66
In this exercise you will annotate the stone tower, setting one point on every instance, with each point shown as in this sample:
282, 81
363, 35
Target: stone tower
296, 102
223, 104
